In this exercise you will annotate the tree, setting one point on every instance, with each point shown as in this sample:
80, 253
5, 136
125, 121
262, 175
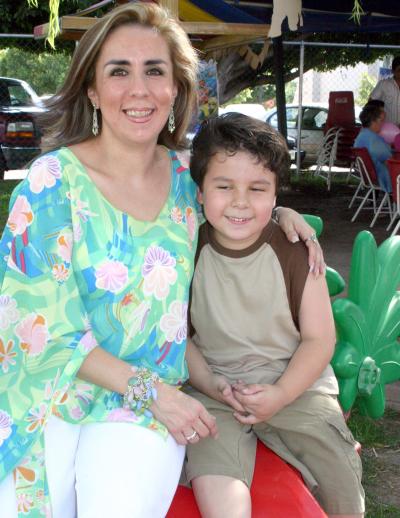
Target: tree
367, 83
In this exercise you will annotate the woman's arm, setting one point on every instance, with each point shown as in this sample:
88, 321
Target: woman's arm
295, 227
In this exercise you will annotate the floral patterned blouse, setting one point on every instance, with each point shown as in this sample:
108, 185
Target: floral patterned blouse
76, 272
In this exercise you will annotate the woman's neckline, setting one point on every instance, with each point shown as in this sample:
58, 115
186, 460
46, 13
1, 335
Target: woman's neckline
110, 204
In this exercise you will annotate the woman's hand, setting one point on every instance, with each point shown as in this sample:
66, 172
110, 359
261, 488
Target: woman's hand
295, 227
186, 419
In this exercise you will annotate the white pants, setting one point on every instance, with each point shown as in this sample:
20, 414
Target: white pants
105, 470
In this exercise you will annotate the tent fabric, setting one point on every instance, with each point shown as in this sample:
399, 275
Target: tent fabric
334, 16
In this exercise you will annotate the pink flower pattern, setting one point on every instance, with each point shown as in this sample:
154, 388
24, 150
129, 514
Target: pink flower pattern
9, 313
21, 216
44, 173
33, 334
111, 276
159, 272
64, 244
174, 323
5, 426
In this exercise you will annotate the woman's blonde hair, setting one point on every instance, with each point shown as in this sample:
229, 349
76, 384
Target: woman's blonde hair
68, 119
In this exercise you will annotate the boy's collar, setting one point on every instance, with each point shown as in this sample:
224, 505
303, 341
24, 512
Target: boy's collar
265, 237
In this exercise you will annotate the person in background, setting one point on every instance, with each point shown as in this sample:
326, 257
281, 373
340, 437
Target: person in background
96, 263
263, 334
372, 118
388, 91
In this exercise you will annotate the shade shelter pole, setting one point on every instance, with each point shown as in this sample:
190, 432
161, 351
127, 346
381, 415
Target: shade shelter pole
277, 45
300, 112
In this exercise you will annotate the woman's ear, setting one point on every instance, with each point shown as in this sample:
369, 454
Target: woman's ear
93, 97
199, 196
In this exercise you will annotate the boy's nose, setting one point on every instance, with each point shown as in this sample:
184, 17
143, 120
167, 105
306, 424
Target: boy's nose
240, 200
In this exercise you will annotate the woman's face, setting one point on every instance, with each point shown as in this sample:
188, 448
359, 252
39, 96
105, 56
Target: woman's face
134, 85
376, 125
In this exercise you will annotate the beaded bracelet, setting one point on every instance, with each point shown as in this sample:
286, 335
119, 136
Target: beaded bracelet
141, 392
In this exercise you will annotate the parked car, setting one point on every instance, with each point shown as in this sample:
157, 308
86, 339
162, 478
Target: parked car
252, 110
314, 117
19, 131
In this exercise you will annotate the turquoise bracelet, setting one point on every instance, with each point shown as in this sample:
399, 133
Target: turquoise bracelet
141, 392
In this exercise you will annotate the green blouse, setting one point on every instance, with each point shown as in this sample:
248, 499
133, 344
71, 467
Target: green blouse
75, 273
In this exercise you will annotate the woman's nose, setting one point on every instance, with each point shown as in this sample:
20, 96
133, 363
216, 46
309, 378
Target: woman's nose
138, 85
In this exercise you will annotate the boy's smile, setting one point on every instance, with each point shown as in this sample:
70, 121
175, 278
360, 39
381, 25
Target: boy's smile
238, 196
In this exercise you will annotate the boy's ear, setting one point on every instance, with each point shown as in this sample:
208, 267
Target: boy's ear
275, 202
199, 196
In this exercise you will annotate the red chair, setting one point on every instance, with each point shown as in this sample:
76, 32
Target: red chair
277, 491
369, 181
394, 170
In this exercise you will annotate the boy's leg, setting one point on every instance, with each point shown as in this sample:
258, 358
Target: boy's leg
221, 469
219, 496
311, 434
127, 471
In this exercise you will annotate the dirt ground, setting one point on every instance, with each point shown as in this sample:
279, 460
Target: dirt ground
383, 479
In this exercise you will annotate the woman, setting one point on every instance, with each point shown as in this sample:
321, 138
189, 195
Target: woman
98, 257
372, 117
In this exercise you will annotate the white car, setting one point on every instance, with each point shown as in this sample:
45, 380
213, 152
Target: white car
252, 110
314, 117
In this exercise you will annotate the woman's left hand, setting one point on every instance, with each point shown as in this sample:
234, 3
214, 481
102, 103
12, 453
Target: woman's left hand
295, 227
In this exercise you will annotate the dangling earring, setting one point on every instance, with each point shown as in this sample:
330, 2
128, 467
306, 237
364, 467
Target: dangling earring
95, 122
171, 120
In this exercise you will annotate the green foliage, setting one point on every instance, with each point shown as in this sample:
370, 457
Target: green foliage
44, 72
262, 94
367, 83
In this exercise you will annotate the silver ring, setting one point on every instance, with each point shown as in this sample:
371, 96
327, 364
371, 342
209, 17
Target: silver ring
191, 436
312, 238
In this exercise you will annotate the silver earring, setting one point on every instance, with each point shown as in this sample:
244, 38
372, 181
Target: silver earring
95, 122
171, 120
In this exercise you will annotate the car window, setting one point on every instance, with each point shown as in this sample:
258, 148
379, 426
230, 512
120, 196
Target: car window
314, 118
19, 96
291, 118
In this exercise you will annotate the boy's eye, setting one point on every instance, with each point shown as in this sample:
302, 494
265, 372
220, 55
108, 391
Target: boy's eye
223, 187
118, 72
258, 189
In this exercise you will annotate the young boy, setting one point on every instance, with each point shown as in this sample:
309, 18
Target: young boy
263, 334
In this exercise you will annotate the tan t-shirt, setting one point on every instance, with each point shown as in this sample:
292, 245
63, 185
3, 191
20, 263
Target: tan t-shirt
245, 306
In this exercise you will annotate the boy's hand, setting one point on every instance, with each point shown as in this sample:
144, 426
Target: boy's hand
260, 402
224, 393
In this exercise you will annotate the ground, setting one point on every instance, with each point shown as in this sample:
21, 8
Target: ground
381, 442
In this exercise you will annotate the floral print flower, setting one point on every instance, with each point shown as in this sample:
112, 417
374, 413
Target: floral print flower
88, 341
191, 223
44, 173
60, 273
9, 313
159, 272
76, 413
83, 392
7, 355
5, 426
174, 323
111, 276
123, 415
36, 417
77, 231
33, 334
138, 319
25, 503
21, 216
176, 215
64, 245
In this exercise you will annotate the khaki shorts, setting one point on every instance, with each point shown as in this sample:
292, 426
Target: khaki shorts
310, 434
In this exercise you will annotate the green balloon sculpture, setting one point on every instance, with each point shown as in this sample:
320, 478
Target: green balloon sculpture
367, 355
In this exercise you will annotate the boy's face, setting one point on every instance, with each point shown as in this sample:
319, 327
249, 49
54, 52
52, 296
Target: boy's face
238, 196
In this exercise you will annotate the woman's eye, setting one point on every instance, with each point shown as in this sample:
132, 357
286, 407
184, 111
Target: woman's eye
155, 72
118, 72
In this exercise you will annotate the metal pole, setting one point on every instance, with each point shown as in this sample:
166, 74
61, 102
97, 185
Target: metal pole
280, 85
300, 113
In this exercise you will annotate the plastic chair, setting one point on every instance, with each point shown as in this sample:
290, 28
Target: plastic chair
277, 491
369, 181
394, 170
327, 155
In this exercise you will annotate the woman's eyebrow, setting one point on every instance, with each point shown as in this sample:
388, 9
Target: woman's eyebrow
125, 62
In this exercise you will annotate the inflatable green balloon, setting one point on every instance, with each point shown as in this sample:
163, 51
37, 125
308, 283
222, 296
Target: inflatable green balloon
367, 355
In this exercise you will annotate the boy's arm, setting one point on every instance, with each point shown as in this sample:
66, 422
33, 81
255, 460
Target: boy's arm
306, 365
203, 379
